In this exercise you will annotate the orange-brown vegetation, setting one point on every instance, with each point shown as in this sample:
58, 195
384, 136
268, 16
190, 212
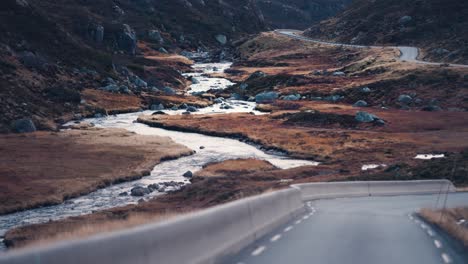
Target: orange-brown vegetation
46, 168
449, 220
232, 168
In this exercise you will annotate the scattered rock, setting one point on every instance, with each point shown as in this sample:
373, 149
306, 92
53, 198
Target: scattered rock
366, 90
159, 113
123, 194
192, 109
155, 35
405, 20
266, 97
222, 39
139, 191
113, 88
157, 107
333, 98
243, 86
127, 39
24, 125
360, 103
32, 60
124, 89
364, 117
168, 90
257, 74
153, 187
218, 101
139, 82
202, 147
292, 97
236, 96
405, 99
188, 174
432, 108
339, 73
163, 50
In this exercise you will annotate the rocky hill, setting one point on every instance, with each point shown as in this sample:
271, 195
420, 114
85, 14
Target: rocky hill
440, 27
51, 51
299, 14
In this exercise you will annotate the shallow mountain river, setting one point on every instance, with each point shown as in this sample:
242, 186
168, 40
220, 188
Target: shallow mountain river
214, 149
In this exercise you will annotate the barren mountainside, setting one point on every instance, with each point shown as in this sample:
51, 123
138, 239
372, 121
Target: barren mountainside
440, 27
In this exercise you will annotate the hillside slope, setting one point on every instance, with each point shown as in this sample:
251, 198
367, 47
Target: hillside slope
299, 14
439, 27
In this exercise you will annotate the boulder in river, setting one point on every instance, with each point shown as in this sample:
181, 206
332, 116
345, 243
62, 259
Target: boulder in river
188, 174
192, 109
24, 125
140, 191
153, 187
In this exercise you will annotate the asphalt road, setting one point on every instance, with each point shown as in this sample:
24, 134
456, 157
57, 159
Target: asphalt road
360, 230
409, 54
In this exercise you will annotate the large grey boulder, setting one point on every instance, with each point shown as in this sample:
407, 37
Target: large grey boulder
139, 82
222, 39
155, 35
188, 174
192, 109
360, 103
32, 60
140, 191
266, 97
405, 99
113, 88
405, 20
127, 39
292, 97
168, 90
157, 107
364, 117
24, 125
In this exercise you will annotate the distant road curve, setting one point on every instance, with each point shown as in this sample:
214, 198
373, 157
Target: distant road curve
409, 54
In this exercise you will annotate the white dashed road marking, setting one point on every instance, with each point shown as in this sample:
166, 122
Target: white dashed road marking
437, 243
298, 221
287, 229
275, 238
258, 251
446, 258
430, 232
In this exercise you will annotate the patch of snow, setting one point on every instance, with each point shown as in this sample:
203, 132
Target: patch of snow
429, 156
372, 166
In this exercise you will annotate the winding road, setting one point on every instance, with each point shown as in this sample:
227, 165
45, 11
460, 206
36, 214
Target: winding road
360, 230
408, 54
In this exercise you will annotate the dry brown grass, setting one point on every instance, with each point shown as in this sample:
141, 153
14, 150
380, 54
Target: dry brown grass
234, 168
111, 102
447, 220
45, 168
57, 233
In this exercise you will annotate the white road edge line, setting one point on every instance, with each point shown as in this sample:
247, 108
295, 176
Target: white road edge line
287, 229
275, 238
437, 243
446, 258
430, 232
258, 251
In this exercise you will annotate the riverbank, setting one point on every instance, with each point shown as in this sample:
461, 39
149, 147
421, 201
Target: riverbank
203, 192
45, 168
